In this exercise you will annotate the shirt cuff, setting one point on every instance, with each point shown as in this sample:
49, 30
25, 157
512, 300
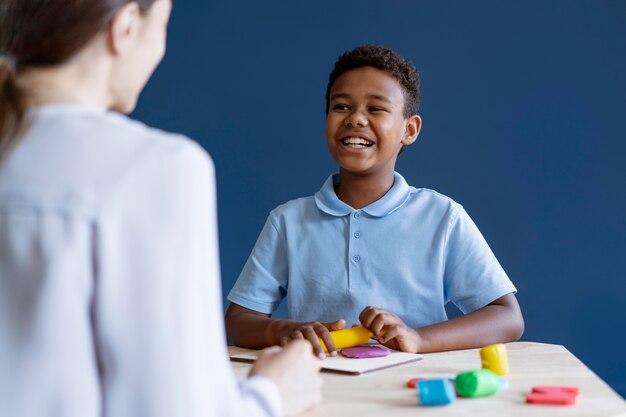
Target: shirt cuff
265, 391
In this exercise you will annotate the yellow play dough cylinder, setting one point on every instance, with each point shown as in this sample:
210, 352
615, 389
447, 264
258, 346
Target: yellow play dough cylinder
345, 338
494, 358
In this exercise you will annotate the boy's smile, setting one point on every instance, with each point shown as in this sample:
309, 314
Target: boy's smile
365, 125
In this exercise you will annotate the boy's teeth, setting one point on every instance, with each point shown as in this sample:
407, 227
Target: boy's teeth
357, 142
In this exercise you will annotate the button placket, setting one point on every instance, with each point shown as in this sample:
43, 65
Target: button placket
354, 246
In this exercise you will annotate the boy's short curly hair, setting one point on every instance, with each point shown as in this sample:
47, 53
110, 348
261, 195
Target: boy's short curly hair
385, 59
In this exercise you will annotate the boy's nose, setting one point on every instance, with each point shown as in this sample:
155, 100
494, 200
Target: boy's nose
355, 120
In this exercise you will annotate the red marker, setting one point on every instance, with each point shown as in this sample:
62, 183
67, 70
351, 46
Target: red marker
553, 395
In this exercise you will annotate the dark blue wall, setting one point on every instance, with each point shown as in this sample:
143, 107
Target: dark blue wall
524, 109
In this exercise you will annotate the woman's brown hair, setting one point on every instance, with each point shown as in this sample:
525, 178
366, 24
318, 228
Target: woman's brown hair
40, 33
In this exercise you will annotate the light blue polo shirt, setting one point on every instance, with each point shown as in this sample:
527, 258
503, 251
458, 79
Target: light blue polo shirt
410, 252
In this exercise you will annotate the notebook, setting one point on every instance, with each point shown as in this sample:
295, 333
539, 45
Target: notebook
341, 364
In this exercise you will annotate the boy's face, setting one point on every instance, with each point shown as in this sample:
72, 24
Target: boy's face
365, 125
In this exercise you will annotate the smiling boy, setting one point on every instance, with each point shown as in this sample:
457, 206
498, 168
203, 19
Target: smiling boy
368, 248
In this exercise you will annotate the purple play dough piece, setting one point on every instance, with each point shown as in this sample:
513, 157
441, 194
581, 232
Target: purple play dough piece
364, 351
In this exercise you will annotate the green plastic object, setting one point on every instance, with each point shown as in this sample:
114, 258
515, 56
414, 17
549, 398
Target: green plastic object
479, 383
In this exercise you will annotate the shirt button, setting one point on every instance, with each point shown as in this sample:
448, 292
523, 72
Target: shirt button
357, 214
356, 258
357, 235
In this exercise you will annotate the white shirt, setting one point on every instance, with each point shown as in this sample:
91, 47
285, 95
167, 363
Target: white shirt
109, 275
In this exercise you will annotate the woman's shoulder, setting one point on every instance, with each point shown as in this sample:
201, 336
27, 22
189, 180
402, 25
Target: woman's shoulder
78, 158
148, 155
97, 130
133, 145
122, 132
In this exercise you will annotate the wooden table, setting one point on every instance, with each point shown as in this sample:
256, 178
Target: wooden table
384, 393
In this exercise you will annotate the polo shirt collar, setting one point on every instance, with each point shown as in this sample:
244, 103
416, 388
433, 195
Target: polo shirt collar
327, 200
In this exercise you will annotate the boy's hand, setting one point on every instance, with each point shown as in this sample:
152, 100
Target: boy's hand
312, 332
395, 334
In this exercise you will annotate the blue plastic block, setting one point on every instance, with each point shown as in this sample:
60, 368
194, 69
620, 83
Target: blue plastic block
436, 392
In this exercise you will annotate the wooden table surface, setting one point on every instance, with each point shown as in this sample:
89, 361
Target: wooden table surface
384, 393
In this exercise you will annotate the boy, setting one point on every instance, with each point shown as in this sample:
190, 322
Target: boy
368, 247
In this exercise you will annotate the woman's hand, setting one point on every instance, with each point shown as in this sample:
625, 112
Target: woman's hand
295, 371
390, 330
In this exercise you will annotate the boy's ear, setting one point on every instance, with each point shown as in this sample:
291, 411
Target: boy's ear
412, 129
123, 29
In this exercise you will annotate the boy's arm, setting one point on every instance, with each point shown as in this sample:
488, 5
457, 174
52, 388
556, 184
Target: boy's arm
498, 322
248, 328
255, 330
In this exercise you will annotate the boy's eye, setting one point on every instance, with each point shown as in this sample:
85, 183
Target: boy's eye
376, 109
340, 107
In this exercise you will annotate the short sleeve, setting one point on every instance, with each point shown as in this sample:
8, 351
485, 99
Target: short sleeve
262, 284
473, 276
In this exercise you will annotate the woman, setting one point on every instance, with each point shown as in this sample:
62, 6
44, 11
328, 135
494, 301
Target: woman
109, 275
